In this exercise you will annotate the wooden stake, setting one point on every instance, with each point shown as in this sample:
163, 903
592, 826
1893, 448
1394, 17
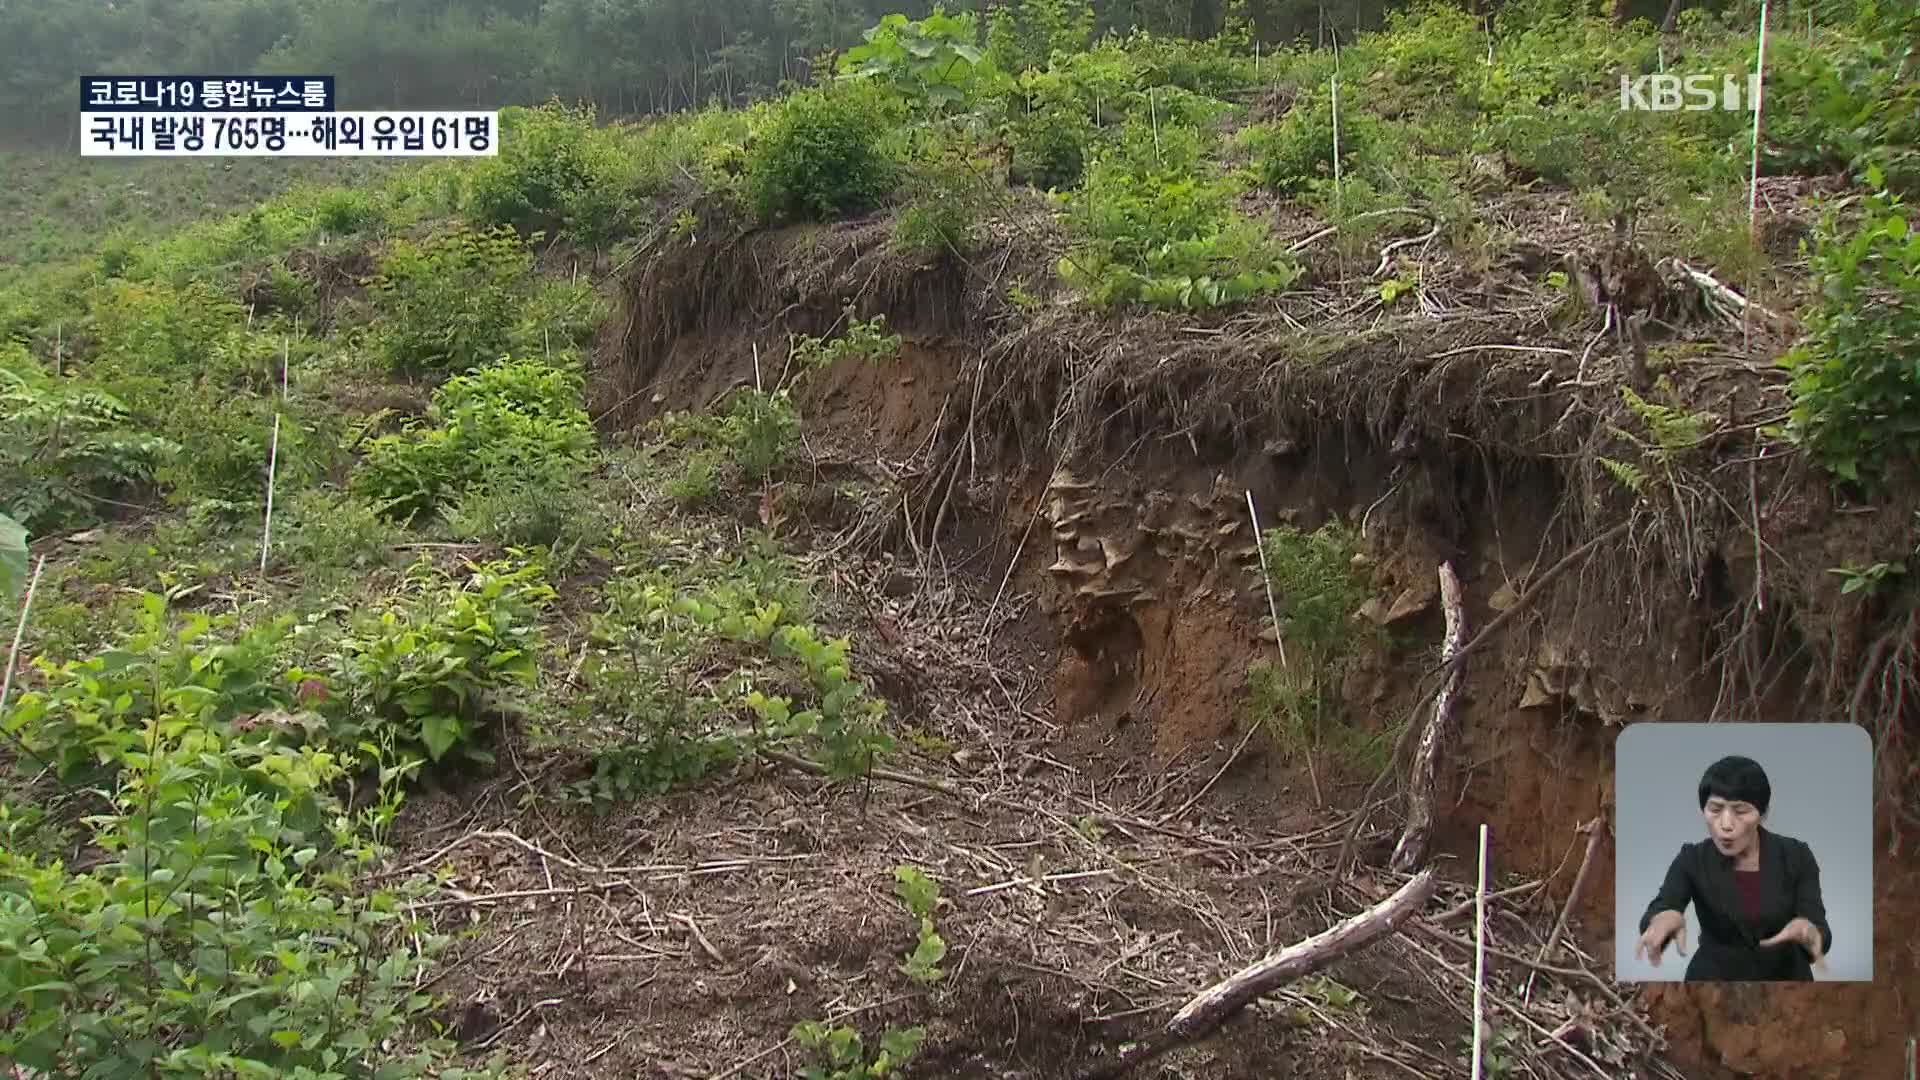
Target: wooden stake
1479, 955
1412, 848
1153, 113
1753, 177
1213, 1006
273, 462
1273, 608
19, 632
1335, 83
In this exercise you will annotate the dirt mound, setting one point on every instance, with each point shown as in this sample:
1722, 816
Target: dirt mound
1483, 424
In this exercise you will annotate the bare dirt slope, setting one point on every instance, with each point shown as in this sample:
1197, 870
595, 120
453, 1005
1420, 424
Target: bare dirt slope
1087, 670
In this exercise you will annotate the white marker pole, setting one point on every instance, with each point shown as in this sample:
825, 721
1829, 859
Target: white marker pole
1480, 955
273, 461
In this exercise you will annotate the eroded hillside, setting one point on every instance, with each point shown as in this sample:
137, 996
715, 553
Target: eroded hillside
802, 609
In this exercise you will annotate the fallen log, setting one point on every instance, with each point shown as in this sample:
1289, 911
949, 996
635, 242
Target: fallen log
1412, 847
1213, 1006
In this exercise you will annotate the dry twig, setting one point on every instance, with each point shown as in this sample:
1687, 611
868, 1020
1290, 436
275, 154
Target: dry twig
1412, 847
1214, 1005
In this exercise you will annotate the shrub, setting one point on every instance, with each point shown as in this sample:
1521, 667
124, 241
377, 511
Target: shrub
1154, 225
450, 303
325, 529
543, 504
555, 172
424, 672
223, 933
1030, 34
1856, 388
756, 429
819, 155
517, 417
1314, 572
950, 191
344, 210
67, 445
1299, 149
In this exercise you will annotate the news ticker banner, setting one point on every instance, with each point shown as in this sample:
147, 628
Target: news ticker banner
263, 116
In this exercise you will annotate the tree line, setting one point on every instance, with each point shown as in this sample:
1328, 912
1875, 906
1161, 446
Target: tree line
624, 56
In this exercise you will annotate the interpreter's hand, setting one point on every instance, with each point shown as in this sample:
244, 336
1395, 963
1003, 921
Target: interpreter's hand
1803, 933
1667, 924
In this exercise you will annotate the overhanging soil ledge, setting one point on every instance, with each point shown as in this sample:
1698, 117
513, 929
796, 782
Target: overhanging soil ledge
1469, 430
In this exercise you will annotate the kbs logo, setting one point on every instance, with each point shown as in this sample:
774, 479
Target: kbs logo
1692, 93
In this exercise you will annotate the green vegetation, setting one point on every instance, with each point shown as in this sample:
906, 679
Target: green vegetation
921, 894
229, 743
220, 934
1315, 572
842, 1055
1856, 382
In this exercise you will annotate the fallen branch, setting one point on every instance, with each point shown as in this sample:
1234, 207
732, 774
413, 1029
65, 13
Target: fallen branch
1721, 300
1301, 245
1214, 1005
1412, 847
1386, 253
1343, 862
816, 769
705, 945
1465, 907
1594, 829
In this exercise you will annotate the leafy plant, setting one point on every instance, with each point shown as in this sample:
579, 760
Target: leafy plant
842, 1055
67, 445
13, 557
865, 339
932, 60
1154, 227
450, 303
1299, 148
1856, 387
428, 668
921, 895
819, 155
512, 419
1866, 579
554, 173
1313, 577
188, 686
756, 429
221, 933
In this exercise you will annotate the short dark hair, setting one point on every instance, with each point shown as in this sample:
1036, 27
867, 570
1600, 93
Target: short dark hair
1740, 779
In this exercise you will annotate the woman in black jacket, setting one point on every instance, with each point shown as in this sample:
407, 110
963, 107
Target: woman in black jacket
1757, 893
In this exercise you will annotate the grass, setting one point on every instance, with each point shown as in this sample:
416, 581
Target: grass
57, 206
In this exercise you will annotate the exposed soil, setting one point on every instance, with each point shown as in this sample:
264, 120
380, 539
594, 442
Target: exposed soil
1093, 663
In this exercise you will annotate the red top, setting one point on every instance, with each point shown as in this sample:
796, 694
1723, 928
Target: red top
1749, 883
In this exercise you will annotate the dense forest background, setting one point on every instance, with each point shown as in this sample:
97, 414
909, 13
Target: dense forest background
624, 56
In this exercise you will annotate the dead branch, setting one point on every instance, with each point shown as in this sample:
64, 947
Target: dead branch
1214, 1005
1465, 907
817, 769
1594, 829
1386, 253
705, 945
1343, 862
1412, 847
1724, 302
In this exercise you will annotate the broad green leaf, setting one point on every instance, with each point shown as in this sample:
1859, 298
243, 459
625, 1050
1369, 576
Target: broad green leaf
13, 557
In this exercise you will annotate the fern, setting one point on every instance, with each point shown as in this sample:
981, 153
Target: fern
1673, 429
1633, 477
